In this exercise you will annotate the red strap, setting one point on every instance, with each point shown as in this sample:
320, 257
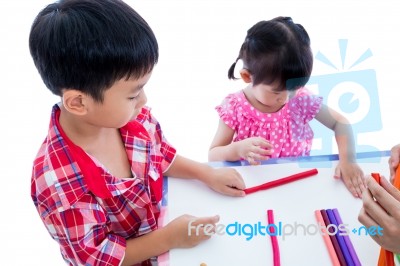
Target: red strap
92, 174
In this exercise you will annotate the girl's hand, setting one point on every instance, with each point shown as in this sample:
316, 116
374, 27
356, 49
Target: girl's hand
226, 181
254, 149
394, 161
188, 231
352, 176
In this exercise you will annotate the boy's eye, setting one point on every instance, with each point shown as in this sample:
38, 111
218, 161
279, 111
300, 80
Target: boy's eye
134, 97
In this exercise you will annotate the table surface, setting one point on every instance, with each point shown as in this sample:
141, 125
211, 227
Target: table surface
293, 205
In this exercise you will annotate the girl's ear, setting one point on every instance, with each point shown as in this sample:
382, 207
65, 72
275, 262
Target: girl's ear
245, 75
75, 102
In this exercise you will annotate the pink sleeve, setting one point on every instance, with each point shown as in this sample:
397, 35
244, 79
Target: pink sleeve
305, 105
227, 111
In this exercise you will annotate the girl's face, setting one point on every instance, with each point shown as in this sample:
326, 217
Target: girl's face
268, 99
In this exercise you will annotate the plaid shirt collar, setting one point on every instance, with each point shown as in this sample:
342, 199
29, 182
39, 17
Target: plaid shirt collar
87, 175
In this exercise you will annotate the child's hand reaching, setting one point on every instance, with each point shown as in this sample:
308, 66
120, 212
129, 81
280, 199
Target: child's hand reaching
254, 149
352, 176
187, 231
226, 181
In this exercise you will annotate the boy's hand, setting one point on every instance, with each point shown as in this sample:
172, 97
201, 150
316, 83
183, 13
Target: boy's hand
226, 181
254, 149
352, 176
394, 161
188, 231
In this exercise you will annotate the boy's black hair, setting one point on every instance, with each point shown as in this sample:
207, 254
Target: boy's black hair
90, 44
278, 51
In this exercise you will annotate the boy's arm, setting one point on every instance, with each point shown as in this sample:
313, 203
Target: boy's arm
179, 233
223, 180
347, 168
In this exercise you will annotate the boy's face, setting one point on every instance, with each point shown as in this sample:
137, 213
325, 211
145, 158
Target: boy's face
122, 103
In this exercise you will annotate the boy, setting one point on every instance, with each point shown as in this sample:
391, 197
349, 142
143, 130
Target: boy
96, 180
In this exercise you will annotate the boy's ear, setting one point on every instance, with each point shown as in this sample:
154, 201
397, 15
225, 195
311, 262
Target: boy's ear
245, 75
75, 102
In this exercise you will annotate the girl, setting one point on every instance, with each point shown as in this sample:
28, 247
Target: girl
270, 117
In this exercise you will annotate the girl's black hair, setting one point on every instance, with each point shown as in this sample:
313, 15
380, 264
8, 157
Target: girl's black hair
277, 51
90, 44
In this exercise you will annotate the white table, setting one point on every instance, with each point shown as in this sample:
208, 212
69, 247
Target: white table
292, 203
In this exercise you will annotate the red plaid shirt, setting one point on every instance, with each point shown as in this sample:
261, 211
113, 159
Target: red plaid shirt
89, 212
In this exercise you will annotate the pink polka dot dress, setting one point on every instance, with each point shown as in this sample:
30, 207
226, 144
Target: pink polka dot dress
288, 129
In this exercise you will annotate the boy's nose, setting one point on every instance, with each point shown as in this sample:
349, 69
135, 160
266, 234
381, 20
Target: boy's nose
143, 99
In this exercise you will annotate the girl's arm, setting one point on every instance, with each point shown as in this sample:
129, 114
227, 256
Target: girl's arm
222, 148
343, 132
347, 168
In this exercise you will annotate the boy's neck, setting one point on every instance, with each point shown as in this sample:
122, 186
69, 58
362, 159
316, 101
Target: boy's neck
81, 133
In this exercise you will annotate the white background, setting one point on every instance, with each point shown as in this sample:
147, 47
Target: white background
198, 42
